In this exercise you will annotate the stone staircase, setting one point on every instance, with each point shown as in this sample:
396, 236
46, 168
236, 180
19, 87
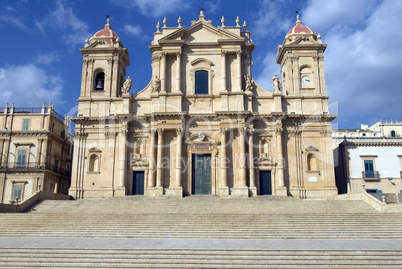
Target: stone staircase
201, 232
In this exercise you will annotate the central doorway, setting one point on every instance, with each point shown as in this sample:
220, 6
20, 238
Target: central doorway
265, 183
138, 183
201, 174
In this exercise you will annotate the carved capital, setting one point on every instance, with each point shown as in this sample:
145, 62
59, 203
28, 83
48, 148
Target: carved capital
179, 131
160, 131
224, 52
223, 131
278, 130
326, 133
238, 53
109, 135
156, 58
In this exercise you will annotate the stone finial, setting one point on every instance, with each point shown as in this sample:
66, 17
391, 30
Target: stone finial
223, 21
319, 38
158, 27
245, 26
12, 104
237, 21
6, 104
164, 22
86, 42
44, 105
179, 21
201, 17
298, 19
107, 22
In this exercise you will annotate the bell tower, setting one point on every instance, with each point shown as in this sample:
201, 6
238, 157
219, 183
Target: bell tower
301, 57
103, 72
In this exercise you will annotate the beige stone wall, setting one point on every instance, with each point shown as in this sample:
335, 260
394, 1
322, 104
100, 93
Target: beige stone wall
149, 130
48, 147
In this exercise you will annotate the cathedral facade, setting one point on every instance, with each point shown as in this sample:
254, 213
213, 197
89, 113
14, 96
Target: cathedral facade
203, 126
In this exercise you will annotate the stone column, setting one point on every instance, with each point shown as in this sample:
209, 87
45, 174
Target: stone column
224, 71
151, 182
178, 161
281, 189
122, 153
238, 55
224, 189
44, 152
178, 88
242, 158
241, 189
159, 156
1, 151
39, 147
163, 72
253, 188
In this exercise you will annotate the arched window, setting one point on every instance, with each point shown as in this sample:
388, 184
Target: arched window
393, 133
94, 163
312, 162
99, 81
201, 82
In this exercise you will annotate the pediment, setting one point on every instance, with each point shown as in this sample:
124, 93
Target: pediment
201, 31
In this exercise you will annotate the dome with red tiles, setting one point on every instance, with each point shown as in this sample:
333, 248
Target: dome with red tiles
106, 35
298, 31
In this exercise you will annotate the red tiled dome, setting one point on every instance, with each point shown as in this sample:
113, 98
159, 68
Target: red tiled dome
298, 31
107, 35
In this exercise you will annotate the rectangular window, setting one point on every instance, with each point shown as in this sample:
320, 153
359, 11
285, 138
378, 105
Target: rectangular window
369, 168
17, 192
21, 158
56, 163
25, 124
201, 82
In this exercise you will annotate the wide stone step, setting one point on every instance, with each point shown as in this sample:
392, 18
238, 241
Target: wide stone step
121, 258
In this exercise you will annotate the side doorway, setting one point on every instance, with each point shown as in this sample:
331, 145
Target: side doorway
265, 183
138, 183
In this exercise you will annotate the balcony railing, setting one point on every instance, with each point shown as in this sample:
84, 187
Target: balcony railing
370, 175
27, 110
15, 166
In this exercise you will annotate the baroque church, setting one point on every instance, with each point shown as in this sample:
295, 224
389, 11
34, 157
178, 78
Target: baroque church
202, 126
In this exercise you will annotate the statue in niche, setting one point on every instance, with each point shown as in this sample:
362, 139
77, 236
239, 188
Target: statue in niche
156, 84
277, 84
127, 85
249, 83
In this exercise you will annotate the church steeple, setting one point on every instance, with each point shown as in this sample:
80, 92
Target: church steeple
104, 65
301, 57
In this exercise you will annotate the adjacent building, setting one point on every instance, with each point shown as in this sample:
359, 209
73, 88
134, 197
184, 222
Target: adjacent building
369, 158
35, 153
202, 126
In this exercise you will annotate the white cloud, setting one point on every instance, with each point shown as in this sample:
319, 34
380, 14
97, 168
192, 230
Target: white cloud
29, 86
362, 63
156, 8
47, 58
12, 16
74, 31
270, 68
269, 21
134, 30
337, 15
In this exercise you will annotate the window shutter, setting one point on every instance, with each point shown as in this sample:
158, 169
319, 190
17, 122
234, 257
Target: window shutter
25, 125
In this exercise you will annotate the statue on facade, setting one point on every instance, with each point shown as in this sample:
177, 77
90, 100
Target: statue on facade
277, 84
156, 84
249, 83
127, 85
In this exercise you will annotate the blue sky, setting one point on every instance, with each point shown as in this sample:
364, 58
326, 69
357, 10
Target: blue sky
41, 62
